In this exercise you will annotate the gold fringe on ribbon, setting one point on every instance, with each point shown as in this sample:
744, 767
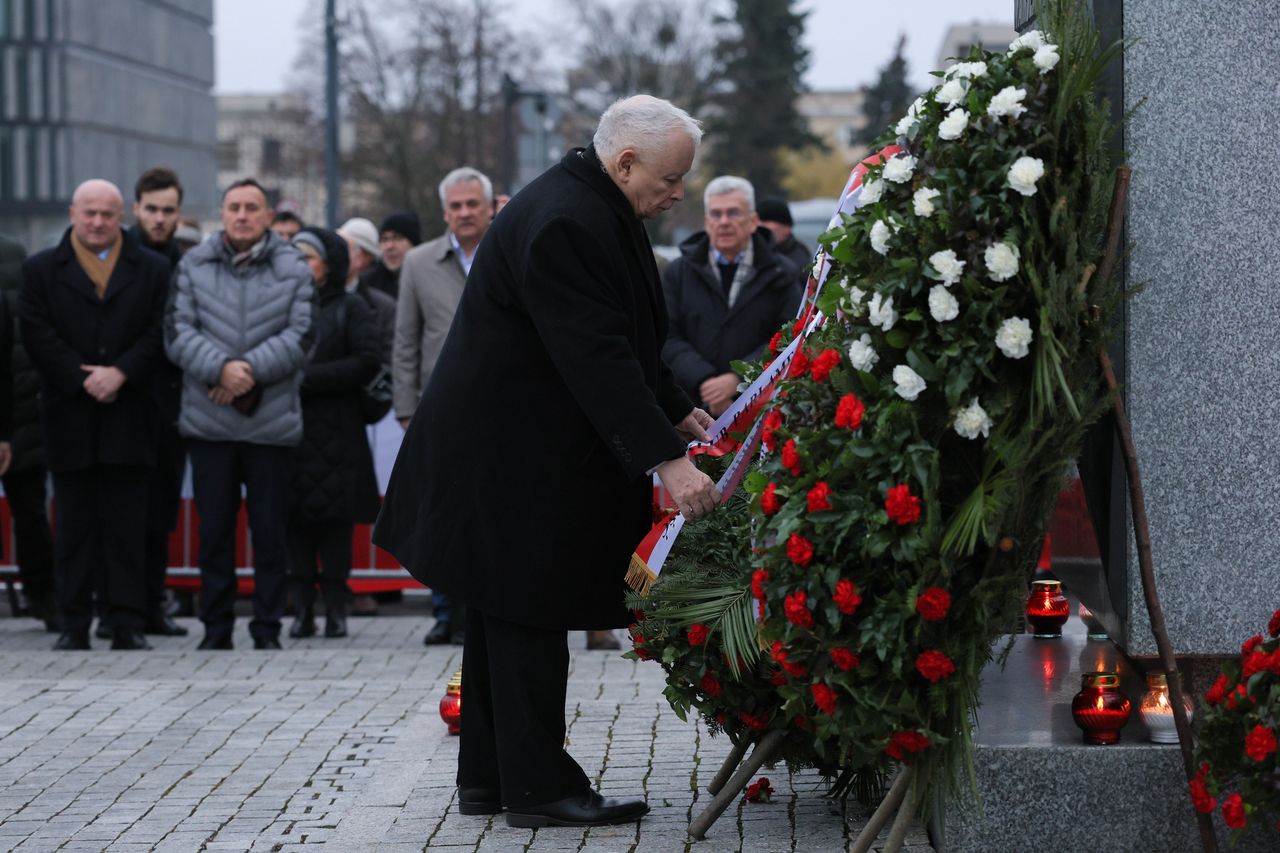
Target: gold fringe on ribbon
639, 576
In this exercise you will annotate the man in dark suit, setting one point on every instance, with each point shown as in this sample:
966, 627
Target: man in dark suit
91, 309
528, 513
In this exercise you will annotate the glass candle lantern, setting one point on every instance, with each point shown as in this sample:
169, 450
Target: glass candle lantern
1100, 709
1095, 628
451, 704
1157, 709
1047, 609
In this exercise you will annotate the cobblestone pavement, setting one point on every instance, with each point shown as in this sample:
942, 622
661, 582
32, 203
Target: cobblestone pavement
336, 744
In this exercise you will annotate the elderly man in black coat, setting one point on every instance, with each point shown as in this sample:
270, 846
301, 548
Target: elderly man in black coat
523, 486
91, 309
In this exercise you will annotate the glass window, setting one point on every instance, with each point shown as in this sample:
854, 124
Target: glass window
229, 155
271, 155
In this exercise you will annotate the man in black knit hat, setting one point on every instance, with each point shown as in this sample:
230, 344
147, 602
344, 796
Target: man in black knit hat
399, 233
776, 216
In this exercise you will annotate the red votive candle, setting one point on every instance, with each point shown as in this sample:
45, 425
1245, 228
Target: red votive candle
1047, 609
451, 704
1100, 709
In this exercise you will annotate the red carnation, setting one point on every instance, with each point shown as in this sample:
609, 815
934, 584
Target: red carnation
797, 326
824, 697
799, 364
1233, 811
1259, 743
844, 659
710, 685
758, 579
818, 497
769, 503
778, 679
1250, 644
698, 634
1273, 627
1256, 661
1201, 799
799, 550
934, 665
791, 457
797, 613
846, 596
849, 412
933, 604
772, 422
1235, 697
1218, 692
759, 791
775, 343
904, 742
902, 506
822, 366
637, 641
756, 724
781, 658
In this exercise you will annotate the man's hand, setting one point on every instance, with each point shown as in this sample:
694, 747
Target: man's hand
102, 383
6, 456
237, 377
404, 423
693, 491
719, 391
694, 426
220, 396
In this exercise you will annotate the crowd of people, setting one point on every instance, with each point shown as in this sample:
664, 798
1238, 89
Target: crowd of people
258, 355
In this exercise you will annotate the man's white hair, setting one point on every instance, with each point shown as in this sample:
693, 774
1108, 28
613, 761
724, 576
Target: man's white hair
728, 184
462, 175
644, 123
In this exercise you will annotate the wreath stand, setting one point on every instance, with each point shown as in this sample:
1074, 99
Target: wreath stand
735, 773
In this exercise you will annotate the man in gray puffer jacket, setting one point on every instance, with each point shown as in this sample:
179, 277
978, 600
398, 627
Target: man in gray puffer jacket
240, 324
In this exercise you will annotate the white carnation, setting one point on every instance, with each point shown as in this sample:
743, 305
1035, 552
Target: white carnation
1007, 102
947, 265
1002, 261
899, 169
851, 303
1046, 58
880, 312
908, 383
942, 305
871, 192
922, 201
1024, 173
969, 70
1014, 337
973, 421
1033, 39
880, 237
952, 92
953, 125
913, 115
861, 355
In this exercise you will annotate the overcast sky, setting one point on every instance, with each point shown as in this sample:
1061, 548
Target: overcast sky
848, 40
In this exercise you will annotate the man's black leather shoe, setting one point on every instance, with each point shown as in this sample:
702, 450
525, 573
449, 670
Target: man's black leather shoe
103, 631
163, 625
438, 635
303, 627
585, 809
335, 626
478, 801
216, 643
73, 641
129, 640
269, 643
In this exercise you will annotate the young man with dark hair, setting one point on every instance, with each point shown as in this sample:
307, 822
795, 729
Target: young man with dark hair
286, 224
157, 210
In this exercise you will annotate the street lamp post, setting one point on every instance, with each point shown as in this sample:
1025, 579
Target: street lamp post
331, 113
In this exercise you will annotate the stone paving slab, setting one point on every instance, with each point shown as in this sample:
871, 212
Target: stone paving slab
337, 744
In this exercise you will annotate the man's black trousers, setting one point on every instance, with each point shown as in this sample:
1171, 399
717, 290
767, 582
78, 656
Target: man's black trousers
218, 468
100, 529
514, 680
163, 503
328, 542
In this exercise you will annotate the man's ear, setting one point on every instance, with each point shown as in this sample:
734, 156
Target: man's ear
626, 159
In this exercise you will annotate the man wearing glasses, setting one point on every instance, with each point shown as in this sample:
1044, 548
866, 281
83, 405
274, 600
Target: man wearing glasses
727, 294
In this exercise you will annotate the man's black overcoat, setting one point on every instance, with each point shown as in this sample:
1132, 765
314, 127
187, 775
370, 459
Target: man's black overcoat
521, 486
65, 325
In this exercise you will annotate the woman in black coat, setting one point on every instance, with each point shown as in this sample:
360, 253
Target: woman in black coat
334, 483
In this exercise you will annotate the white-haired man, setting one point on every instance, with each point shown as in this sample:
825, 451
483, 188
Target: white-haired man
431, 282
523, 484
727, 293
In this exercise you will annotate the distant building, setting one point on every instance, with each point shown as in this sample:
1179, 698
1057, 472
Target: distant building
834, 116
107, 90
960, 37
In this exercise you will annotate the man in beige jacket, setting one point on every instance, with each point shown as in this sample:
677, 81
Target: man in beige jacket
431, 283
